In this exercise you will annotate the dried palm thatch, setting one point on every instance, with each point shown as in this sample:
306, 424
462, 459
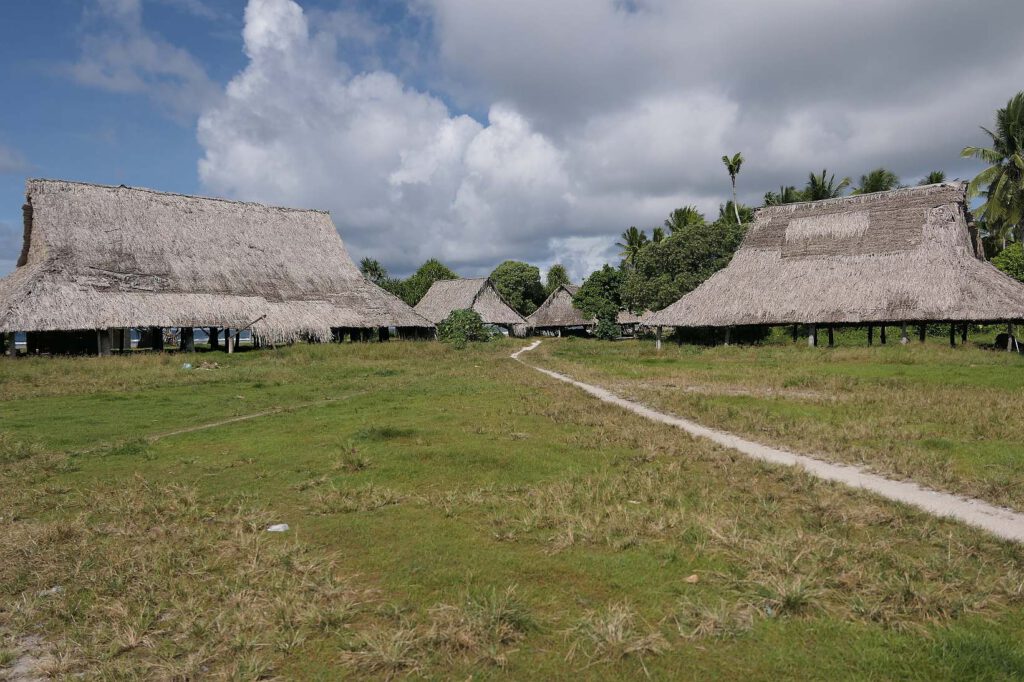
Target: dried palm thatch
98, 256
902, 255
558, 311
479, 294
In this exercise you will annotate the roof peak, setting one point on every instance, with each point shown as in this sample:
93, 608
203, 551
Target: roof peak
853, 199
58, 181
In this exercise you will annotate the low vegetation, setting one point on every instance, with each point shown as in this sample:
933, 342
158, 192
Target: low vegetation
454, 515
942, 416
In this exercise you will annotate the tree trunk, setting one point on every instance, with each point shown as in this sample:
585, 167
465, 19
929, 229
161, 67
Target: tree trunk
735, 206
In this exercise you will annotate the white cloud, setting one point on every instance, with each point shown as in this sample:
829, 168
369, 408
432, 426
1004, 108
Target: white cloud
600, 115
119, 55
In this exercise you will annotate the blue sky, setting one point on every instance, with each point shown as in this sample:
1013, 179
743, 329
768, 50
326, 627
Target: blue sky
479, 130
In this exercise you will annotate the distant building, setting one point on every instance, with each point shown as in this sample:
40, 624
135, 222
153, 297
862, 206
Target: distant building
479, 294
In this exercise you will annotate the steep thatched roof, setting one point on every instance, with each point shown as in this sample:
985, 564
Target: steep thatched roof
479, 294
558, 311
626, 317
903, 255
98, 256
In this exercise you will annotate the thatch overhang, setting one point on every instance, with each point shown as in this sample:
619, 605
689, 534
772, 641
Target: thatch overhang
98, 256
479, 294
557, 311
899, 256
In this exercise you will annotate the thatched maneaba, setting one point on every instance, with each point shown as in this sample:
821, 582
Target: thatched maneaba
905, 255
99, 257
480, 294
558, 312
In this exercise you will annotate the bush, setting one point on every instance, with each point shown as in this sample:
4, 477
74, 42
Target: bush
607, 330
461, 327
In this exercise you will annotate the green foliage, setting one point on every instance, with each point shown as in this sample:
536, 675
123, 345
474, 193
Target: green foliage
416, 286
1002, 183
599, 295
684, 217
1011, 261
824, 186
657, 234
632, 241
667, 270
933, 178
607, 330
461, 327
557, 276
728, 213
785, 195
519, 284
878, 180
373, 270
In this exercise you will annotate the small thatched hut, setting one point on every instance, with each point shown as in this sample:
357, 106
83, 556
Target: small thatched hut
480, 294
99, 259
894, 257
558, 313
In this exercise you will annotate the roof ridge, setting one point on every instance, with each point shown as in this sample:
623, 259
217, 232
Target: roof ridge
863, 198
204, 197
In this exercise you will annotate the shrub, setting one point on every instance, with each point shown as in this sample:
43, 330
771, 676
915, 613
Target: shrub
607, 330
461, 327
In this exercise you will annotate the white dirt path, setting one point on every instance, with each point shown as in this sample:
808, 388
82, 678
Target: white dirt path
999, 521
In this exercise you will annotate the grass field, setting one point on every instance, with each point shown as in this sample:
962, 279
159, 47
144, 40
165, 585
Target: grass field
950, 418
454, 514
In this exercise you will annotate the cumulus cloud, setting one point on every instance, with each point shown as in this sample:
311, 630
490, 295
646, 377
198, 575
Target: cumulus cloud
600, 115
119, 55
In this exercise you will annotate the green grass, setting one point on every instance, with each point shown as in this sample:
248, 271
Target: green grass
947, 417
455, 515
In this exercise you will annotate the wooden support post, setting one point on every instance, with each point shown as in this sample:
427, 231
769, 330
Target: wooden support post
188, 340
124, 339
104, 341
796, 332
812, 336
728, 333
214, 338
229, 340
657, 338
963, 334
904, 339
157, 333
831, 336
922, 330
559, 331
952, 335
881, 335
1010, 341
871, 334
10, 341
383, 334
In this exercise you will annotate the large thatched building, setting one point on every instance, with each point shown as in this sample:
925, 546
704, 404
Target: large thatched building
480, 294
906, 255
98, 259
558, 313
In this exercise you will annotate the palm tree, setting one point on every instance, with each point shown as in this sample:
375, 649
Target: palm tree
785, 195
657, 234
733, 165
822, 187
878, 180
933, 178
373, 270
687, 216
632, 241
728, 211
1002, 183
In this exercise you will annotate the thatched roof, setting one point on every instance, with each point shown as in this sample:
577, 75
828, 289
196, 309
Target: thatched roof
626, 317
99, 256
903, 255
558, 311
479, 294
